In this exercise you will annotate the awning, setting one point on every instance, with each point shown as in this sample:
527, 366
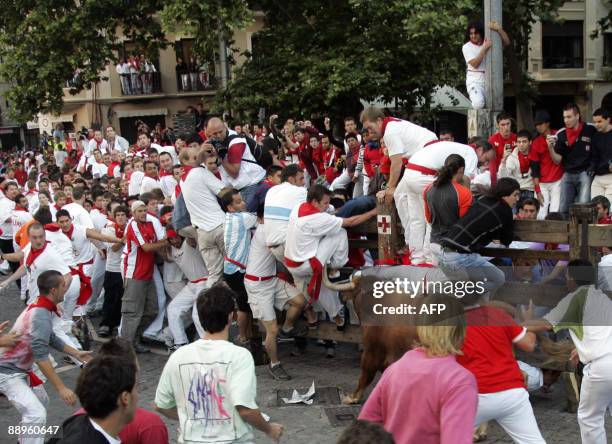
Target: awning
448, 98
121, 113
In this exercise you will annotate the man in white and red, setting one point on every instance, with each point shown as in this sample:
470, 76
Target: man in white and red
7, 206
421, 170
139, 304
150, 181
143, 144
402, 139
20, 215
114, 169
84, 251
238, 167
97, 143
545, 171
184, 253
99, 217
504, 139
167, 182
316, 239
78, 213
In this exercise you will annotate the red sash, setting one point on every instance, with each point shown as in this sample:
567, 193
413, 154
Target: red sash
86, 290
236, 263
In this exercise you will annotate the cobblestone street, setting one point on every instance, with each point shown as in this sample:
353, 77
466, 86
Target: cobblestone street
303, 424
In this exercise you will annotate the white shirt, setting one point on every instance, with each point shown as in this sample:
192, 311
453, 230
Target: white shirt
79, 215
168, 185
250, 173
406, 138
99, 219
19, 219
93, 145
170, 150
189, 261
83, 248
49, 259
470, 52
261, 263
604, 274
63, 245
596, 342
280, 200
148, 184
304, 233
60, 157
7, 206
119, 144
113, 258
135, 182
200, 189
433, 156
229, 373
98, 170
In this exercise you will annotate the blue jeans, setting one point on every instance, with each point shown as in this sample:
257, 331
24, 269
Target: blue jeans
359, 205
471, 267
575, 188
248, 192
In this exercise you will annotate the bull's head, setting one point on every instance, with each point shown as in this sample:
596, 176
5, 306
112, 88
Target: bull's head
350, 284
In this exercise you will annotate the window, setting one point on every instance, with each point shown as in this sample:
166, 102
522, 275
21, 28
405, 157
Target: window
607, 59
563, 45
193, 73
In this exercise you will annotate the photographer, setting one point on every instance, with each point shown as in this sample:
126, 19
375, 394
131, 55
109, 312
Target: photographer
238, 166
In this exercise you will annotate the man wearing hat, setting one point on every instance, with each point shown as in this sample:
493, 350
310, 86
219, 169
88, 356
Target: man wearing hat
546, 169
139, 305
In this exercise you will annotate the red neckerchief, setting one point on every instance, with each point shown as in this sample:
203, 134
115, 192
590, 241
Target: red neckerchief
268, 182
523, 161
68, 201
386, 120
164, 173
307, 209
34, 254
20, 208
69, 232
152, 177
44, 302
186, 170
57, 207
102, 211
119, 231
52, 227
573, 133
606, 220
112, 166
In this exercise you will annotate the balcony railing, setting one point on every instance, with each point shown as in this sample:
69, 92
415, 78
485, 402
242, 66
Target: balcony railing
194, 81
138, 84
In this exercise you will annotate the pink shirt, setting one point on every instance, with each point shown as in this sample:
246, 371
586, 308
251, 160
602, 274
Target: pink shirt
424, 400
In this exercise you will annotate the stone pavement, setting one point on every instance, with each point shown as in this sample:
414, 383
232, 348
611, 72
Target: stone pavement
303, 424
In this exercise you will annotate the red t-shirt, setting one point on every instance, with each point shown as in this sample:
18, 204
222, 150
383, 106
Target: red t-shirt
371, 160
549, 170
499, 143
138, 264
146, 427
488, 349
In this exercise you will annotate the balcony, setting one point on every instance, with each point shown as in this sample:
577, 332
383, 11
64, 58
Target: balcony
187, 81
140, 84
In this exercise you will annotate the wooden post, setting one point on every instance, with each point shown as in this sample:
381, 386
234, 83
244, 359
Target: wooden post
386, 222
581, 215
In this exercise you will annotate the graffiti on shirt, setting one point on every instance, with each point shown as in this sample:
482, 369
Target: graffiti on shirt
206, 397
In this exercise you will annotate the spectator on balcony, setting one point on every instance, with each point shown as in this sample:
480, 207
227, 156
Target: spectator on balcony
123, 69
181, 73
192, 66
134, 65
204, 75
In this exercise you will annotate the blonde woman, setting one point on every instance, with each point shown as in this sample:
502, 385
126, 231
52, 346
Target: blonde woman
426, 396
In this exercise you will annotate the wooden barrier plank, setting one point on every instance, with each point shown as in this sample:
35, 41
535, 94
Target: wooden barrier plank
553, 231
515, 293
516, 253
364, 243
600, 235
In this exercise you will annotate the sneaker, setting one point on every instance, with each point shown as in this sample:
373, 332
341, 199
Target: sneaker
139, 348
330, 352
160, 338
340, 320
104, 331
174, 348
296, 331
279, 373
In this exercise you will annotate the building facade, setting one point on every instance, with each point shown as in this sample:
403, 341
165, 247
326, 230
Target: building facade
164, 85
567, 64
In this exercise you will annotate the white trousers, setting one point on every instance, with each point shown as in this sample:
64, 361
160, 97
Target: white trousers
476, 91
174, 288
157, 325
179, 309
332, 250
551, 191
343, 181
419, 229
30, 402
595, 398
513, 411
366, 184
70, 298
400, 196
97, 283
602, 186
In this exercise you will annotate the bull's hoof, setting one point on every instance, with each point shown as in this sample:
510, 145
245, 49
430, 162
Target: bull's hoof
350, 399
480, 433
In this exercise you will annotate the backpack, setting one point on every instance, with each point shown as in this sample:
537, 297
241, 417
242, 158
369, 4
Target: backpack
262, 155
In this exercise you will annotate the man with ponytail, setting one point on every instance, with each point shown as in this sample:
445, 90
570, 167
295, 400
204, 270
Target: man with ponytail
489, 218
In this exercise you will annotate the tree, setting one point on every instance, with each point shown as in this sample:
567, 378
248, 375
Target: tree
315, 56
45, 43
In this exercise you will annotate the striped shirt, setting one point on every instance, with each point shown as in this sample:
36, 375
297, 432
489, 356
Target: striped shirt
237, 239
137, 263
279, 202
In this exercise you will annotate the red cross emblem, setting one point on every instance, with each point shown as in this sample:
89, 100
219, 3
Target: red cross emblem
384, 225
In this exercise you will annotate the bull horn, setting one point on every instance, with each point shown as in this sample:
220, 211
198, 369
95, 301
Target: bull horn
338, 286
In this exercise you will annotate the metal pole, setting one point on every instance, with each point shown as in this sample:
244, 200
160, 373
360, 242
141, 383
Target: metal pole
494, 59
223, 63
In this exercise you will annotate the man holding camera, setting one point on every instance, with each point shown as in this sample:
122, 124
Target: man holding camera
238, 166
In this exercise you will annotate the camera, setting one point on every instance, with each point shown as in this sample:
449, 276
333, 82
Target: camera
219, 147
